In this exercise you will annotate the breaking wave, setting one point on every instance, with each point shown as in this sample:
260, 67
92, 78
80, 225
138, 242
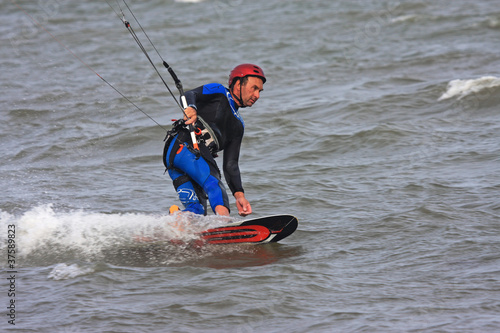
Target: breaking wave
46, 235
463, 88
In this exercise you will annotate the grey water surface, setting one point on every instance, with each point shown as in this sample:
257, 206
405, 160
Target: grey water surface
379, 128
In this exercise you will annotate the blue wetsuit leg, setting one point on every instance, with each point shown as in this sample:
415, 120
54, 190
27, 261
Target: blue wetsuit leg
187, 194
199, 171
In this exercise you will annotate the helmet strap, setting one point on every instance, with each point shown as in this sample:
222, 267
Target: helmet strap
239, 98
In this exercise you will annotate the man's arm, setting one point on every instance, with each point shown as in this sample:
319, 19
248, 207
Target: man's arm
233, 177
244, 207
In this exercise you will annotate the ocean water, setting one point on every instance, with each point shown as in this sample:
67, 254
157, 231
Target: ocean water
378, 128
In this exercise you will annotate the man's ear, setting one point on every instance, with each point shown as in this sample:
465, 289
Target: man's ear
237, 87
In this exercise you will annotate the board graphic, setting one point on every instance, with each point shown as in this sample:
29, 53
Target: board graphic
259, 230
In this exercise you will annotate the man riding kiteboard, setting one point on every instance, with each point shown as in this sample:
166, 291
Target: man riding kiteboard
213, 110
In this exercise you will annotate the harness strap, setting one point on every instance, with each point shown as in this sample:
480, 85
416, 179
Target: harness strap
177, 126
208, 137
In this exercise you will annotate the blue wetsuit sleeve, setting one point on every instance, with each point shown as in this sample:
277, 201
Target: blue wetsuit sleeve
204, 93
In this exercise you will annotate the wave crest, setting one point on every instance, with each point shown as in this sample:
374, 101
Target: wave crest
463, 88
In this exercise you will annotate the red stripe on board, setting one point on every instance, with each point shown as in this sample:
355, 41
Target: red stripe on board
238, 234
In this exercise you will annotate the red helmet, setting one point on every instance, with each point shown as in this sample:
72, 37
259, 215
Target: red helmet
243, 70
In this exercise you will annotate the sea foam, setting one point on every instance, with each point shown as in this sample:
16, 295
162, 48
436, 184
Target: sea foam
462, 88
44, 231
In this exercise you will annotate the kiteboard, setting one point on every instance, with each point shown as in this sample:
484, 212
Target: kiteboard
268, 229
262, 230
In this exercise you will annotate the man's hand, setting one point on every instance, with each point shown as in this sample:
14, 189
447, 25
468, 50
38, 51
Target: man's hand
242, 204
190, 115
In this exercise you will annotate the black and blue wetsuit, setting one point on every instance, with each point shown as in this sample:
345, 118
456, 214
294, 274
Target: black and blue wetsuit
196, 177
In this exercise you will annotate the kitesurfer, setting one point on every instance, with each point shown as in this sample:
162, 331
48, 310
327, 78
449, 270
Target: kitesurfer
214, 111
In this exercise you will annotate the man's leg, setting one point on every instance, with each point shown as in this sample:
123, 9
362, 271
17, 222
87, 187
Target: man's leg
186, 192
206, 176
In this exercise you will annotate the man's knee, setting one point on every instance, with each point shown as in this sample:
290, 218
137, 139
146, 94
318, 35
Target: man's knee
189, 200
216, 193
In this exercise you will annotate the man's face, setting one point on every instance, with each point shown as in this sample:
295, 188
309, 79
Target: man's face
250, 91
